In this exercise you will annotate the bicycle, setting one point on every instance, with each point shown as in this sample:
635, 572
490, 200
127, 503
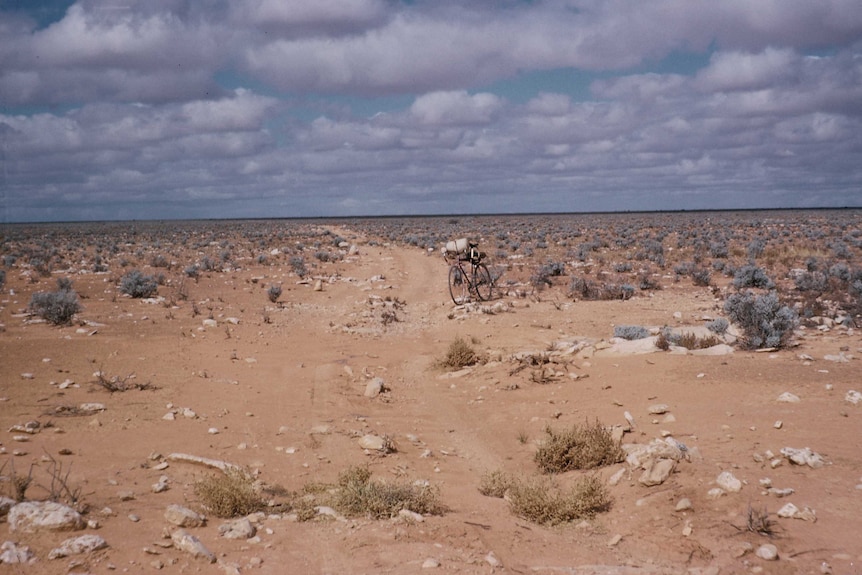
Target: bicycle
463, 283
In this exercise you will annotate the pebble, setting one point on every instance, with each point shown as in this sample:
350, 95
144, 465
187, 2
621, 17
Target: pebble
658, 409
430, 563
767, 552
788, 397
614, 541
683, 504
728, 482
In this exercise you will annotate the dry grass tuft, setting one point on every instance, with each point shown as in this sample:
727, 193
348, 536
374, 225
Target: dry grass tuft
758, 521
540, 501
582, 447
358, 495
496, 483
459, 354
231, 494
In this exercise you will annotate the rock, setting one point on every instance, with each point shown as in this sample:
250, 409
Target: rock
430, 563
77, 546
790, 511
210, 323
187, 542
658, 409
373, 442
411, 516
35, 516
492, 560
639, 455
853, 397
162, 484
767, 552
657, 473
183, 516
683, 504
11, 553
318, 285
329, 512
614, 541
788, 397
803, 457
374, 387
728, 482
237, 529
630, 419
616, 477
91, 407
6, 504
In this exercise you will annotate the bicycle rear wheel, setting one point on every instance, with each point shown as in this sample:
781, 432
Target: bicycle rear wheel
482, 282
458, 286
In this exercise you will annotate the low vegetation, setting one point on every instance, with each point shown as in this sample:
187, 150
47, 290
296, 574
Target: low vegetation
586, 446
459, 354
57, 307
138, 285
229, 494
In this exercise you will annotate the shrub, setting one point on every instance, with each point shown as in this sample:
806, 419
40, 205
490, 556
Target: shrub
701, 277
719, 325
813, 281
540, 501
358, 495
751, 276
496, 483
231, 494
192, 271
297, 264
459, 354
581, 447
138, 285
631, 332
764, 321
56, 307
273, 293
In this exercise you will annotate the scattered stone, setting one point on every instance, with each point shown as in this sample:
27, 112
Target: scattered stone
687, 529
614, 541
375, 387
658, 409
77, 546
788, 397
187, 542
318, 285
715, 493
657, 473
210, 323
840, 358
161, 485
11, 553
206, 462
329, 512
373, 443
728, 482
683, 504
91, 407
238, 529
35, 516
492, 560
767, 552
617, 477
778, 424
430, 563
183, 516
853, 397
790, 511
781, 492
411, 516
803, 457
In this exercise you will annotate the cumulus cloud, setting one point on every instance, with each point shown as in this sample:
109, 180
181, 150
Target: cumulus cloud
116, 109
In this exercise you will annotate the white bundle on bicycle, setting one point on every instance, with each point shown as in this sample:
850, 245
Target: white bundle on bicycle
456, 247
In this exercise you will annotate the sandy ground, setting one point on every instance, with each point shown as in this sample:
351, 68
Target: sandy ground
283, 387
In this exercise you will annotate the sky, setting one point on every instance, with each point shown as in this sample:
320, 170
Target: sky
164, 109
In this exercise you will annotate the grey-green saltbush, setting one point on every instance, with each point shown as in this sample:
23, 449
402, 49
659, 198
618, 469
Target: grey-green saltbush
751, 276
631, 332
764, 320
58, 307
138, 285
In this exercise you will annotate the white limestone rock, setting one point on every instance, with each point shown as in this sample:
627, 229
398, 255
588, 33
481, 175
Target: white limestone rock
77, 546
36, 516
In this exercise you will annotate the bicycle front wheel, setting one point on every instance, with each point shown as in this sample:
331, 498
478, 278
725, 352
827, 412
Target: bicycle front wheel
458, 286
482, 282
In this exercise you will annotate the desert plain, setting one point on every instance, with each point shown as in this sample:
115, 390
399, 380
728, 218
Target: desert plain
286, 348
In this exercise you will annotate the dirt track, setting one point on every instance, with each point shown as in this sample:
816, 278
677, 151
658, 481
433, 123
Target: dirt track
286, 398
